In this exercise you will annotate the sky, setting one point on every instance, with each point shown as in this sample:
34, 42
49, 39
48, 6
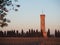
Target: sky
28, 16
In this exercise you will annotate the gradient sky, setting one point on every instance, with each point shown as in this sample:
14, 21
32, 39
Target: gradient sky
28, 15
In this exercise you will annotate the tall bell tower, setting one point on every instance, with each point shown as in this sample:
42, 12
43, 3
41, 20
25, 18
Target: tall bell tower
42, 25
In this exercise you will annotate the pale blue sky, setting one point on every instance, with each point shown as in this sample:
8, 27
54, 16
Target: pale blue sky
28, 15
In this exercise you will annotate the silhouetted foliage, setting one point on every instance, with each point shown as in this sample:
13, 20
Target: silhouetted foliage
12, 33
1, 34
4, 34
41, 33
3, 11
30, 33
17, 33
22, 33
56, 35
48, 33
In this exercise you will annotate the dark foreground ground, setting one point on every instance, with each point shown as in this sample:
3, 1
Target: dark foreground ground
29, 41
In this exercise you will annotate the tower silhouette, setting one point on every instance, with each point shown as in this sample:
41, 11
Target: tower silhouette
42, 25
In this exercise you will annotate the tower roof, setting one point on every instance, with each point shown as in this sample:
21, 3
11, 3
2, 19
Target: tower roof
42, 14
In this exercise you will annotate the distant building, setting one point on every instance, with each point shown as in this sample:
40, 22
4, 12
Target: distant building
42, 25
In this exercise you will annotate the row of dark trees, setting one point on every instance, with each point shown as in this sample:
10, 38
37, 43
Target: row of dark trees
30, 33
13, 33
57, 33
